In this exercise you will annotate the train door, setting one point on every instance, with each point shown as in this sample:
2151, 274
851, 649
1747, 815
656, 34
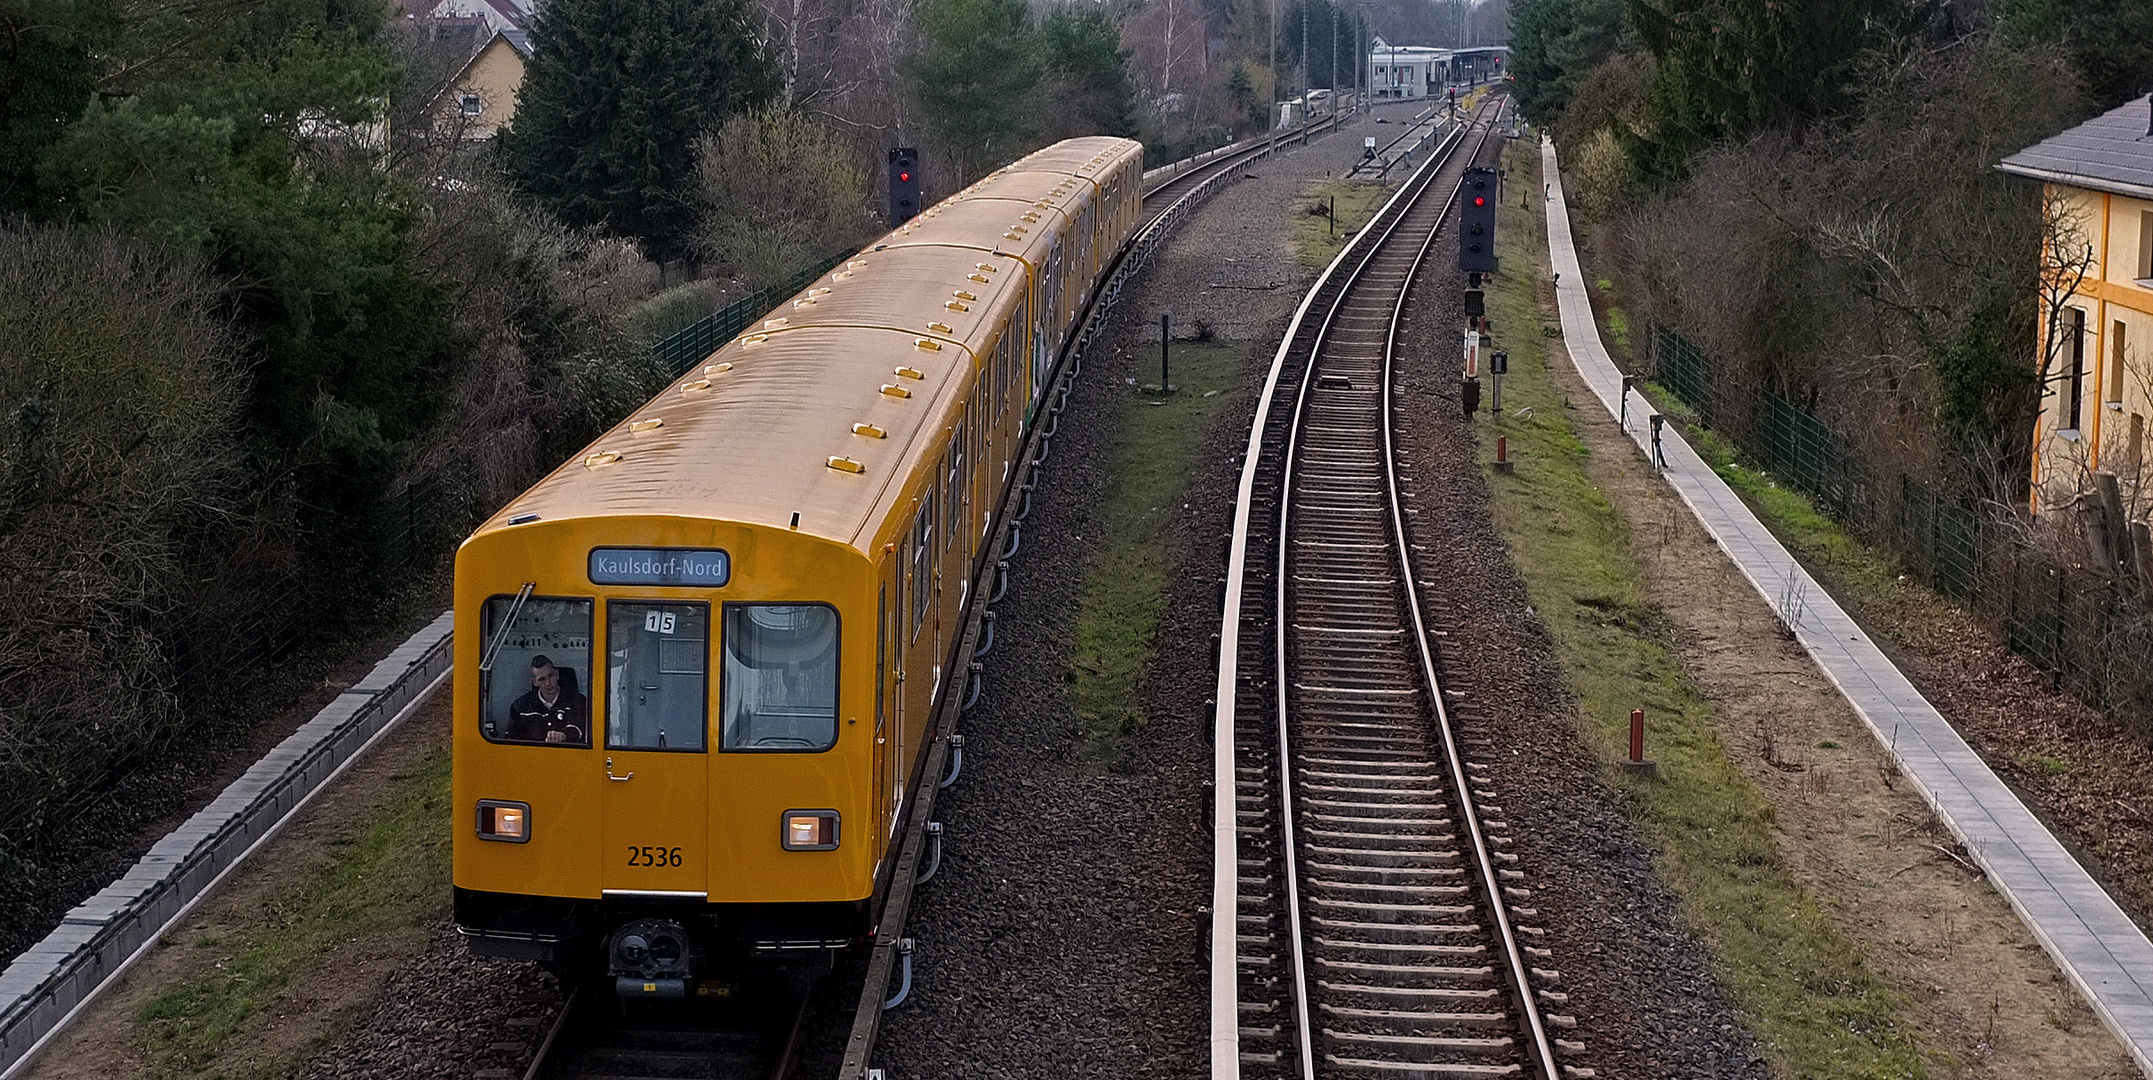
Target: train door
656, 757
1043, 302
982, 449
938, 539
957, 497
920, 657
889, 698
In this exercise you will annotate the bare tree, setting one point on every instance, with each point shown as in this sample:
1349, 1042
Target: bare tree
119, 459
1168, 39
780, 191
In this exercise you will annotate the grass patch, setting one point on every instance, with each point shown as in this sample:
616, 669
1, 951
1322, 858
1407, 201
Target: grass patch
1125, 582
1313, 235
395, 874
1618, 330
1820, 1009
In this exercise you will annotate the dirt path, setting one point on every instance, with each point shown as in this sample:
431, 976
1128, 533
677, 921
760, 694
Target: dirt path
1856, 835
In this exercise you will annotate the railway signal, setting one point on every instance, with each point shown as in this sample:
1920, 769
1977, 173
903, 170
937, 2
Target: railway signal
1476, 221
904, 185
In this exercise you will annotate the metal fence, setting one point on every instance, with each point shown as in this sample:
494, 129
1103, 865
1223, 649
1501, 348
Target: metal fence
2088, 630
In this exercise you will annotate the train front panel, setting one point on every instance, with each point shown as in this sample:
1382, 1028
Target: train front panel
665, 743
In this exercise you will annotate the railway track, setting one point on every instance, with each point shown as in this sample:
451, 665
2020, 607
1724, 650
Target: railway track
590, 1041
754, 1038
1379, 925
1169, 190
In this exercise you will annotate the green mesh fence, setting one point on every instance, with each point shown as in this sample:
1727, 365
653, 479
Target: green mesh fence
2089, 632
1683, 369
699, 339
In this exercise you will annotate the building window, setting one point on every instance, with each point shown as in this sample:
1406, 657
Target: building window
2145, 244
2114, 390
2073, 328
470, 104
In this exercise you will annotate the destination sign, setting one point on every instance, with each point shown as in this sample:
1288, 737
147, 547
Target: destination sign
703, 567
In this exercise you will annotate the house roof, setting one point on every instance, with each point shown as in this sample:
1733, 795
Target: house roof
1385, 52
2112, 152
499, 14
520, 40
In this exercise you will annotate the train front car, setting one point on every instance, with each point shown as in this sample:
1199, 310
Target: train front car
653, 763
697, 664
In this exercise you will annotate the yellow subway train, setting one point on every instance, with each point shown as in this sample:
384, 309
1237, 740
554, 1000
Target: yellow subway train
696, 664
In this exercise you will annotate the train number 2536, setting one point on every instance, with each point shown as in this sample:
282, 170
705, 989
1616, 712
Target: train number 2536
654, 856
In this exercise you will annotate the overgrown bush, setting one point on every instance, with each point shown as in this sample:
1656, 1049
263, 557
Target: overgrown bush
1880, 273
550, 357
779, 190
120, 476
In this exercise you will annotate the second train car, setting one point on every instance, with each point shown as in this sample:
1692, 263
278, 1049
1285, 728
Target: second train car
696, 664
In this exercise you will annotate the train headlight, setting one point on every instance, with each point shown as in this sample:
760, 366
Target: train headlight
505, 821
809, 830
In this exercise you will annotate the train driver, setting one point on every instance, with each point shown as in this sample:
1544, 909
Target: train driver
554, 711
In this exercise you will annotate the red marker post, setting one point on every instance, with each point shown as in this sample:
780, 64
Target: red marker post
1637, 762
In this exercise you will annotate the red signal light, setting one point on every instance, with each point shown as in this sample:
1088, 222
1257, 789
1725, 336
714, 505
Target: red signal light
1480, 200
905, 176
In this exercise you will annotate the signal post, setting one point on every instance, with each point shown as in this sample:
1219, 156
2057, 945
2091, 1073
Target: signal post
1476, 256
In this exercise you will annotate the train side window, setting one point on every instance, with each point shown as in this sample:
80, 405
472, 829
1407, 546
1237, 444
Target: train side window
922, 550
532, 692
657, 675
953, 484
1000, 372
780, 677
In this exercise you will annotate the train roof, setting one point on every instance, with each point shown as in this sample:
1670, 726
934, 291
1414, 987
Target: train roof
751, 433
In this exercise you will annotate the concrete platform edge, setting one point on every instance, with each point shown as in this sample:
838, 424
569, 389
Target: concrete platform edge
2110, 998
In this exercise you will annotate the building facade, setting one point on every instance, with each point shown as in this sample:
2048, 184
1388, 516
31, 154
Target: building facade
482, 98
2095, 351
1407, 71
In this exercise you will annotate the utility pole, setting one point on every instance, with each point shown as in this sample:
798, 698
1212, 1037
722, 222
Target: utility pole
1273, 12
1304, 72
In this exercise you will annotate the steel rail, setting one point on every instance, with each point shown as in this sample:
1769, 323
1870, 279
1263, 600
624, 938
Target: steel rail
1417, 185
1223, 946
1182, 194
1536, 1033
1224, 943
1328, 301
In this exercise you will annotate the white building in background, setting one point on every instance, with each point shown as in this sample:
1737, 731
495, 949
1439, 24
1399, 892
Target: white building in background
1406, 71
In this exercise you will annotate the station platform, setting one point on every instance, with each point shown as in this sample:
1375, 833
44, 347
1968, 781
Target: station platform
2100, 950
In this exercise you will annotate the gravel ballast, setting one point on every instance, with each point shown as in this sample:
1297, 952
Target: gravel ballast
1065, 933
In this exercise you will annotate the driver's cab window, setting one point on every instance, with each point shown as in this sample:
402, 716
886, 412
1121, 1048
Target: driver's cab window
533, 691
657, 692
780, 677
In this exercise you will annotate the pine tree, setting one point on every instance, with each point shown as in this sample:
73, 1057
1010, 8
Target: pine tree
613, 101
1087, 89
975, 75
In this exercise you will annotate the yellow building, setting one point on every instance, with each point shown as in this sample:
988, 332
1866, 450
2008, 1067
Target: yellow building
2096, 353
481, 99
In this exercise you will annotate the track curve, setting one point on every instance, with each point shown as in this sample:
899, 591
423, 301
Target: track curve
1373, 904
